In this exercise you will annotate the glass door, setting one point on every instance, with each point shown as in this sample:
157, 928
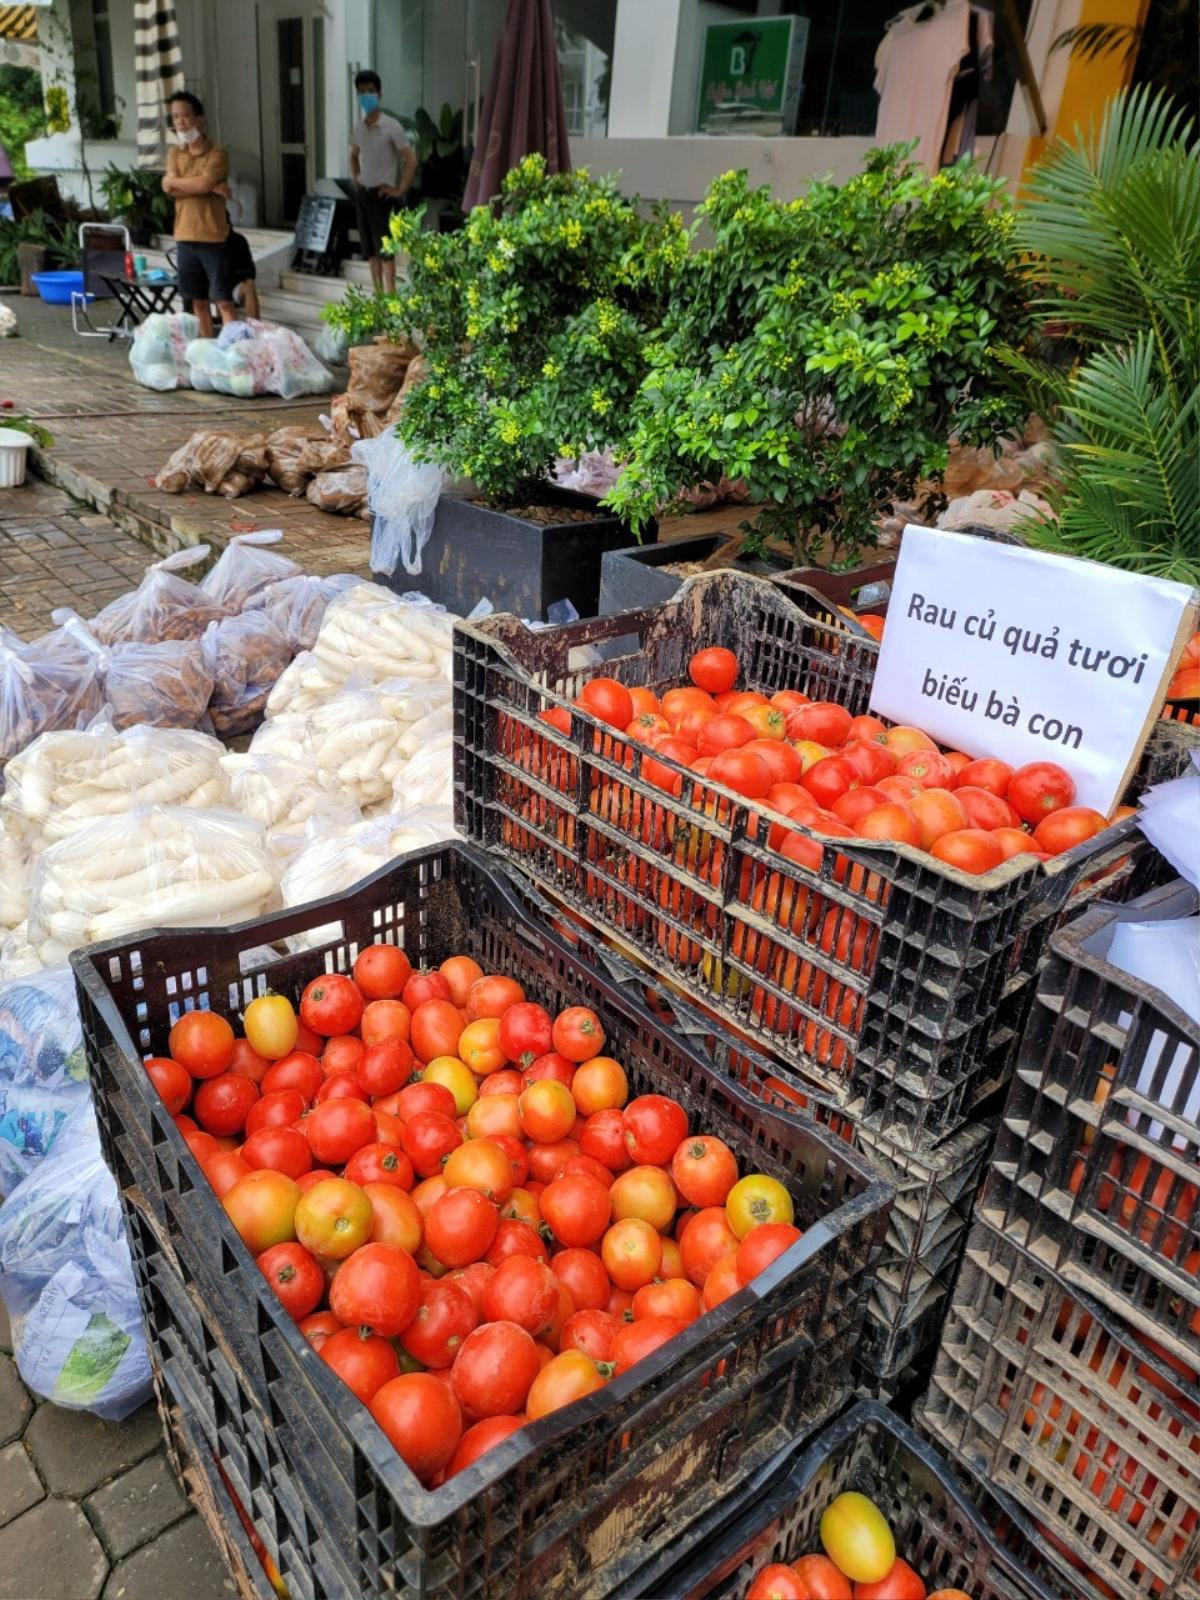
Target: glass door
291, 55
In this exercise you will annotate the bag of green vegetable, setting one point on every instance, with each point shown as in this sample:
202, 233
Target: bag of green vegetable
67, 1280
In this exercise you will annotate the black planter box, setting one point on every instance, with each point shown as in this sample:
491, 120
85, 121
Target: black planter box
475, 552
631, 578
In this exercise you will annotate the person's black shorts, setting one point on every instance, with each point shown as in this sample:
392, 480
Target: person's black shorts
241, 262
373, 215
205, 271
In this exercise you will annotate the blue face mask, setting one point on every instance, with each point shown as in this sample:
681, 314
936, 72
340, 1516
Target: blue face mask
368, 103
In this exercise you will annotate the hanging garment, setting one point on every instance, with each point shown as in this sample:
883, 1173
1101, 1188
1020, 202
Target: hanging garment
915, 67
973, 70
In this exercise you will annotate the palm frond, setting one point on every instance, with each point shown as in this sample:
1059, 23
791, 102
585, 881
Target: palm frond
1091, 40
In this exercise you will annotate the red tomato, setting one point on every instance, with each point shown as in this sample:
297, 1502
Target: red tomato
824, 1580
523, 1291
577, 1209
526, 1033
385, 1067
380, 1163
1061, 830
715, 670
984, 809
338, 1128
778, 1582
342, 1054
293, 1273
461, 1227
394, 1216
783, 759
474, 1279
565, 1379
637, 1340
901, 1583
188, 1125
420, 1415
583, 1273
481, 1438
830, 778
331, 1004
586, 1167
385, 1019
1016, 842
225, 1168
508, 1081
423, 986
278, 1149
968, 849
460, 972
721, 1283
381, 971
494, 1369
929, 768
298, 1071
320, 1326
429, 1138
867, 730
309, 1180
647, 726
987, 773
704, 1169
725, 732
202, 1043
492, 996
262, 1207
1034, 791
578, 1034
762, 1245
173, 1082
937, 811
854, 805
591, 1331
518, 1160
247, 1062
823, 722
445, 1316
672, 1297
743, 772
602, 1137
899, 790
895, 823
222, 1104
654, 1127
378, 1287
608, 701
705, 1241
517, 1239
437, 1026
341, 1086
416, 1098
363, 1361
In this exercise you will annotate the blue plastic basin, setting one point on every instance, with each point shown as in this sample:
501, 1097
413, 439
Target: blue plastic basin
56, 288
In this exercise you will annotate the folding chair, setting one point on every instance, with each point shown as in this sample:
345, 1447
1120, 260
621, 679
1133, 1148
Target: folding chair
103, 247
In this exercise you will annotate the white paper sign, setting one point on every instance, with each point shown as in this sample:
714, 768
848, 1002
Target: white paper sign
1028, 656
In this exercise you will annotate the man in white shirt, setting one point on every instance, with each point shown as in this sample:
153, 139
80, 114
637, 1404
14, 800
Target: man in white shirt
383, 167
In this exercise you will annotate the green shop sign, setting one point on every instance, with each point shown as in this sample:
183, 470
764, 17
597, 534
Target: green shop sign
751, 75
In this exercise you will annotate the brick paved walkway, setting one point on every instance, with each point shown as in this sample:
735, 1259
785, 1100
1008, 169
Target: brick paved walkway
90, 1510
56, 552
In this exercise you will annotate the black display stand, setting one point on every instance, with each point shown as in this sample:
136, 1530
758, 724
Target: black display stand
321, 235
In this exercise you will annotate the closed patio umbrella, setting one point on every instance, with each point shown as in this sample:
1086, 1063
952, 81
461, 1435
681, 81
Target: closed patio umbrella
158, 70
523, 111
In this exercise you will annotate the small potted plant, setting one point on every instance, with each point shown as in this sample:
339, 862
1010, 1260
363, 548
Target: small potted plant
535, 318
18, 435
136, 198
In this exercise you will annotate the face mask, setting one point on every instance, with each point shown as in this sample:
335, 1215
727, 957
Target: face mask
368, 103
188, 136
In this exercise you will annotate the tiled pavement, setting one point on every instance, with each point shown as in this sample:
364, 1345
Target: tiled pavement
90, 1510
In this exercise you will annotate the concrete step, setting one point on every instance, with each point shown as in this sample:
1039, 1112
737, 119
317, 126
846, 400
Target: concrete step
309, 286
296, 310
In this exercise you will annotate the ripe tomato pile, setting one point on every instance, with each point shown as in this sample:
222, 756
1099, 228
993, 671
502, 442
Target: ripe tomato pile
859, 1563
840, 775
455, 1197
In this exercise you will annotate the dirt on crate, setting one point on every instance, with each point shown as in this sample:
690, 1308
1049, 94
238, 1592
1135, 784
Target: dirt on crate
546, 516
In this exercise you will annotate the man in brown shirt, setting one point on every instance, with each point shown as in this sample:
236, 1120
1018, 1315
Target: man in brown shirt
196, 179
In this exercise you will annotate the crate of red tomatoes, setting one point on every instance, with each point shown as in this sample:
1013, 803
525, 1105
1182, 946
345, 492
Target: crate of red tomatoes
865, 1511
474, 1275
868, 907
1097, 1165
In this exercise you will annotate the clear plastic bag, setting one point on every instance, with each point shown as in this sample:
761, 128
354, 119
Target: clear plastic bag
427, 777
156, 867
403, 497
18, 959
343, 493
356, 743
43, 1068
246, 655
245, 568
284, 448
31, 699
272, 360
167, 685
74, 660
298, 604
65, 781
163, 606
377, 372
158, 350
16, 870
67, 1280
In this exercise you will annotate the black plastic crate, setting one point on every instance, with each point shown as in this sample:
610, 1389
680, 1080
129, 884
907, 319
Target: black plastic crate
917, 1023
1094, 1431
1097, 1166
569, 1505
952, 1528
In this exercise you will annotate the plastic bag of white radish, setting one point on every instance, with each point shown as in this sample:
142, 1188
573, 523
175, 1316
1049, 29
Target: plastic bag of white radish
156, 867
361, 738
298, 604
16, 869
65, 781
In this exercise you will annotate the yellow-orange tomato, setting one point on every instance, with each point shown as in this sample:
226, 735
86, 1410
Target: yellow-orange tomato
427, 1193
857, 1538
271, 1026
494, 1114
460, 972
756, 1199
521, 1206
456, 1076
564, 1378
671, 1265
548, 1111
768, 722
600, 1085
632, 1253
721, 1282
900, 740
479, 1046
810, 752
479, 1164
645, 1192
396, 1219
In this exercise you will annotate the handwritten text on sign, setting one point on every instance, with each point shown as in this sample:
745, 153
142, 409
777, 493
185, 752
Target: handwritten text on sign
1028, 656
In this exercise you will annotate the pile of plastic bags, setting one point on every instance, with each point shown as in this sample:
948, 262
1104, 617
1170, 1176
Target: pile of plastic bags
247, 358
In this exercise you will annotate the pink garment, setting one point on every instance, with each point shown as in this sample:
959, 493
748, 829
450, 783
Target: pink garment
915, 67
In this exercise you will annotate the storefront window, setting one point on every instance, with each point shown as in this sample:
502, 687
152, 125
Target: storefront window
585, 42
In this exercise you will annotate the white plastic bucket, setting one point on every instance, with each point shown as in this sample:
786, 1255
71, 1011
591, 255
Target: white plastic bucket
14, 449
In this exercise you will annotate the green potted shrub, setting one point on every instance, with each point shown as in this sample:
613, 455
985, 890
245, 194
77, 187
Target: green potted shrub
136, 199
826, 349
534, 318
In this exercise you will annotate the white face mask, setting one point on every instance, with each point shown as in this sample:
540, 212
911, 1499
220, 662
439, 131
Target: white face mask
188, 136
